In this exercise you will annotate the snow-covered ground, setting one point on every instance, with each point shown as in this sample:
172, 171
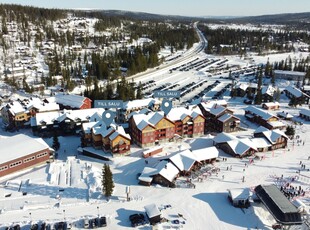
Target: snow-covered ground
69, 188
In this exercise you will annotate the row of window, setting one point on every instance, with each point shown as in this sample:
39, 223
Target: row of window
17, 163
29, 159
3, 168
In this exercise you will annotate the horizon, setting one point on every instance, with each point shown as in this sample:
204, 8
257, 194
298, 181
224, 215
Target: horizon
198, 8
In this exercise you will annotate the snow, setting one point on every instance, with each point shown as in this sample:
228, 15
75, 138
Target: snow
19, 146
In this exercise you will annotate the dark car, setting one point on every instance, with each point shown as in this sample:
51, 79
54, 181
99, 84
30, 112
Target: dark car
61, 226
137, 219
102, 221
34, 227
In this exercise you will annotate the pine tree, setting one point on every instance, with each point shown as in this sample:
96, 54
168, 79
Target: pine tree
290, 131
56, 144
107, 181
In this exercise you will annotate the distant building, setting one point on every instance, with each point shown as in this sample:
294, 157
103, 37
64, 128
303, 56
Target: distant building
63, 122
305, 114
263, 118
129, 107
21, 152
299, 96
70, 101
271, 105
289, 75
234, 146
17, 114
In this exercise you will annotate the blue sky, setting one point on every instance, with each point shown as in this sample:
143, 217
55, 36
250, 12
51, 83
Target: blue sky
180, 7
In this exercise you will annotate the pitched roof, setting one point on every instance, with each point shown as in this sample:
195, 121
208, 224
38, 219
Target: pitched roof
135, 104
19, 146
180, 113
294, 91
224, 137
167, 170
305, 112
71, 100
240, 146
269, 90
259, 112
142, 120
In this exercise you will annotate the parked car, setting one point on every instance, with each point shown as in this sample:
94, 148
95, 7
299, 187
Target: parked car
137, 219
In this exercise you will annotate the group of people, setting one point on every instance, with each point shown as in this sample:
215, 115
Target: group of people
290, 191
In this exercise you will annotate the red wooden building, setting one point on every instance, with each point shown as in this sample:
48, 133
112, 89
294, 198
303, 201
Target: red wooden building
21, 152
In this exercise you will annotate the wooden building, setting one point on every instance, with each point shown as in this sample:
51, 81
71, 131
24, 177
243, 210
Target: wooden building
271, 105
150, 129
219, 118
263, 118
276, 137
112, 139
21, 152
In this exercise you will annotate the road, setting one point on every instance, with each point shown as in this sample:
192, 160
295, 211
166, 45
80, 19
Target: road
202, 45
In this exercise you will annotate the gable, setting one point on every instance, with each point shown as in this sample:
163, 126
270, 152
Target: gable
164, 124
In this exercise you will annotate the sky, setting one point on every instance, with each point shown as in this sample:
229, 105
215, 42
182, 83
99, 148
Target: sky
180, 7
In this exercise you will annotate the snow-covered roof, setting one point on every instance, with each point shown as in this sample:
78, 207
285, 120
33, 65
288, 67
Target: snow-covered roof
226, 116
15, 108
305, 112
180, 113
240, 146
285, 115
209, 104
271, 104
152, 210
286, 72
239, 193
50, 117
276, 124
167, 170
261, 142
183, 160
268, 90
135, 104
272, 135
142, 120
294, 91
71, 100
41, 106
205, 153
147, 173
261, 129
19, 146
224, 137
259, 112
119, 131
217, 109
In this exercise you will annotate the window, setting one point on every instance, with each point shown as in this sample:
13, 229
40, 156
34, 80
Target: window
15, 164
29, 159
3, 168
41, 155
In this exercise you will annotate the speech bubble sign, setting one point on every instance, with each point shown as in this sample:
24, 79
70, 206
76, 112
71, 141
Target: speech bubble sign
108, 117
166, 106
167, 94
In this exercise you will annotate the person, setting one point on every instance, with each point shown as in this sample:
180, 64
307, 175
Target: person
223, 177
